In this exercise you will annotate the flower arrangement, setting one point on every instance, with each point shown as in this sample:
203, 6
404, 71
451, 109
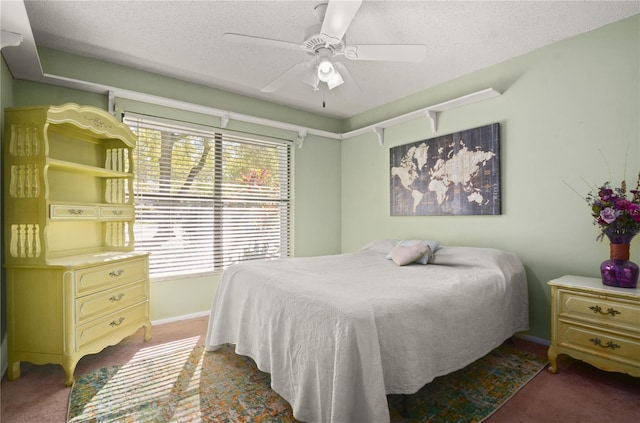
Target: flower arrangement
617, 216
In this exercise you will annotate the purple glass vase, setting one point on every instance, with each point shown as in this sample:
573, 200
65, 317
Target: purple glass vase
619, 271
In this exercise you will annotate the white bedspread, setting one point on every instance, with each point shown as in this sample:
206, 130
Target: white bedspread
339, 333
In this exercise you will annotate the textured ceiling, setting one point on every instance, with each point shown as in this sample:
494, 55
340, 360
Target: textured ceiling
183, 39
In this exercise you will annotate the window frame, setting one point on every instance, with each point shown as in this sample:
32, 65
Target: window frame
220, 257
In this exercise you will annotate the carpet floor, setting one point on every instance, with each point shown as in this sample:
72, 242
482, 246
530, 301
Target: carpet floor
579, 392
181, 382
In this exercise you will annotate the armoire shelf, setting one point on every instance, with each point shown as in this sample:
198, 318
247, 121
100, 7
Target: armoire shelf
74, 282
91, 170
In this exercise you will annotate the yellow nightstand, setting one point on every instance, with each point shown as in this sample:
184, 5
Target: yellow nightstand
595, 323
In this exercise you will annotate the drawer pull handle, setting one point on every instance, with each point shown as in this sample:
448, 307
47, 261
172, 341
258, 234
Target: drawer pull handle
76, 211
609, 344
115, 299
117, 212
598, 309
118, 323
116, 273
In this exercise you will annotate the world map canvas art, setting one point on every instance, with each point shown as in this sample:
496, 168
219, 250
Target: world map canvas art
455, 174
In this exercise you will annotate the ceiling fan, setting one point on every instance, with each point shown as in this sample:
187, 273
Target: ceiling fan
326, 42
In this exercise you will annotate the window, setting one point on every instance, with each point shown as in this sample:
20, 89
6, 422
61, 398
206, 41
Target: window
206, 199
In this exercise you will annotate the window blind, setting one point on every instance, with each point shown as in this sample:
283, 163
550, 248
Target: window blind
206, 199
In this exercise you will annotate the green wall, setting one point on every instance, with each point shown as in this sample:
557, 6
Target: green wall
316, 179
104, 73
569, 113
6, 100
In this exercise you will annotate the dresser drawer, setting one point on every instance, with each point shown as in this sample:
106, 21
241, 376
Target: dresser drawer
99, 278
105, 302
601, 310
116, 213
97, 331
599, 343
71, 212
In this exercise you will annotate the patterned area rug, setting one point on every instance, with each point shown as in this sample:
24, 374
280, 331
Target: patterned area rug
179, 382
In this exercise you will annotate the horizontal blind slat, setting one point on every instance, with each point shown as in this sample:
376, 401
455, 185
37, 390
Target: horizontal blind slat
206, 199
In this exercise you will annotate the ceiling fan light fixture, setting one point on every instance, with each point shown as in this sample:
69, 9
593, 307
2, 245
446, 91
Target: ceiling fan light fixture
335, 80
326, 70
311, 78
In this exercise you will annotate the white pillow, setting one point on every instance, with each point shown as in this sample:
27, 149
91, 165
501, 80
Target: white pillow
428, 255
402, 255
383, 246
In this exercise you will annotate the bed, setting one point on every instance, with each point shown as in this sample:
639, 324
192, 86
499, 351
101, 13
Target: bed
339, 333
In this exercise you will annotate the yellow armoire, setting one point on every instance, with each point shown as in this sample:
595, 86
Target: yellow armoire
75, 285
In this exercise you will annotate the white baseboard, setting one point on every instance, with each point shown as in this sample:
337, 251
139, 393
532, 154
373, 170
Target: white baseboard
179, 318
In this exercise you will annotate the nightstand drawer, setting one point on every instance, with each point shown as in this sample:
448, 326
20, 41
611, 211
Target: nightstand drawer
107, 276
602, 310
110, 301
110, 326
602, 344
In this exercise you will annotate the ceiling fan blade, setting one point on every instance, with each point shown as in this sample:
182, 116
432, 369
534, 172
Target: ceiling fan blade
286, 76
350, 88
337, 19
261, 41
387, 52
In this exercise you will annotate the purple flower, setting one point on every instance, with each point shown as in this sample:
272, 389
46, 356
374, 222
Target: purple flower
615, 214
634, 212
605, 193
622, 204
609, 214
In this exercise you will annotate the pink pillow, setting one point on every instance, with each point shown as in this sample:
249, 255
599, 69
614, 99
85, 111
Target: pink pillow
402, 255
